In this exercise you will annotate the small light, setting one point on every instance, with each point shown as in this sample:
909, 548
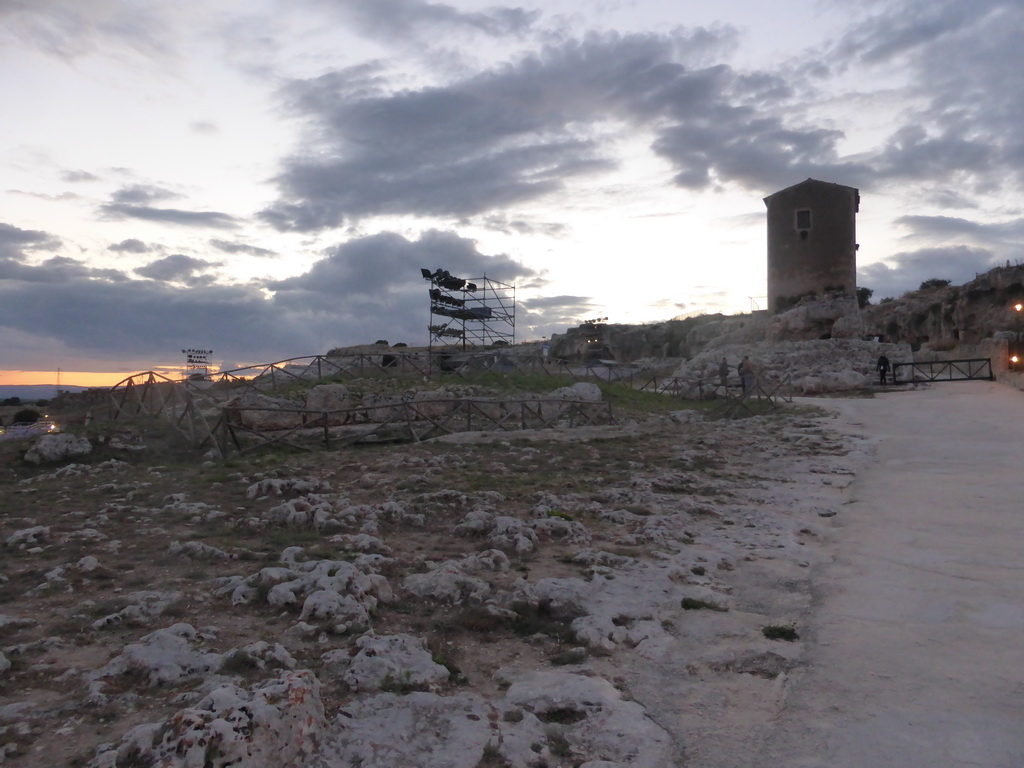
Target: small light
1014, 359
1018, 307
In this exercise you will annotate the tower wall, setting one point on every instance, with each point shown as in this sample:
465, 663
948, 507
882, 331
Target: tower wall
812, 242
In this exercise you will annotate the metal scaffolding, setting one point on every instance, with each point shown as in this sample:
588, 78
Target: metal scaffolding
474, 312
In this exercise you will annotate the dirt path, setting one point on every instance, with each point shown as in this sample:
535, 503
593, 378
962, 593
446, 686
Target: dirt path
916, 652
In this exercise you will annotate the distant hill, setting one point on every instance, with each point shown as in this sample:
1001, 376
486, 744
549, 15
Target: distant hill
29, 392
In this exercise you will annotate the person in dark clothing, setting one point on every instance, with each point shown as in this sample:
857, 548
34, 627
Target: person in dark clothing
883, 369
748, 373
723, 373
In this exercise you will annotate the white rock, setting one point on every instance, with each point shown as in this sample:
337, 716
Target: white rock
88, 564
447, 583
581, 390
327, 605
607, 726
329, 397
28, 537
277, 724
560, 598
571, 531
417, 730
57, 448
196, 550
401, 661
163, 656
144, 605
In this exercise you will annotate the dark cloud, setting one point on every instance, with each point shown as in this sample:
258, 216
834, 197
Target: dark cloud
75, 177
913, 153
14, 241
129, 246
212, 219
58, 269
964, 97
177, 268
519, 132
363, 290
522, 226
907, 27
548, 315
136, 194
414, 19
385, 269
906, 271
948, 227
149, 320
251, 250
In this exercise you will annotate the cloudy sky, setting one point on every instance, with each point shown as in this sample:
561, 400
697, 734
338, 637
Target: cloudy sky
267, 178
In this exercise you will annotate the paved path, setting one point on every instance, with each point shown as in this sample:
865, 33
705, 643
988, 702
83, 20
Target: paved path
916, 651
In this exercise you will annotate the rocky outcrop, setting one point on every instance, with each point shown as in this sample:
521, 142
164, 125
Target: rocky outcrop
257, 411
967, 313
277, 724
389, 662
836, 317
823, 365
937, 317
331, 398
50, 448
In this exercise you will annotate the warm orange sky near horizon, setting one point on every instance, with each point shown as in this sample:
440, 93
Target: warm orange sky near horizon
67, 378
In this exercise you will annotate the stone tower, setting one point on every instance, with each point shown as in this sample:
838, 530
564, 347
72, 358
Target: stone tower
812, 242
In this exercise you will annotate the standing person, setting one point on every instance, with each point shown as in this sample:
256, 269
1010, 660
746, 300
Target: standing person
883, 369
748, 373
723, 373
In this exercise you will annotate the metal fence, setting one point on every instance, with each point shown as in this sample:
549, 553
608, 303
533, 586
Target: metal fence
978, 368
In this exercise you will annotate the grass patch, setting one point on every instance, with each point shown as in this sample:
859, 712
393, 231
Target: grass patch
785, 632
571, 656
693, 604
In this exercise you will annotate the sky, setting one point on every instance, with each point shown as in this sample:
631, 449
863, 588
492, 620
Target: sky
266, 179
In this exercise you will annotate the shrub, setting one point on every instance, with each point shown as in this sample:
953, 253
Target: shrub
27, 416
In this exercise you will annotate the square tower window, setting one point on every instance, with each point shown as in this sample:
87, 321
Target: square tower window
803, 218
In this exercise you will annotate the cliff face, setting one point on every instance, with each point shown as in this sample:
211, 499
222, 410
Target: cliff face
967, 313
939, 318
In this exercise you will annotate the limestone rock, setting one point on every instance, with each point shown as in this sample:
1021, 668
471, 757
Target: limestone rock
332, 398
277, 724
196, 550
559, 599
163, 656
839, 358
598, 722
400, 661
417, 730
50, 448
328, 590
832, 317
143, 605
581, 390
257, 411
452, 582
28, 537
